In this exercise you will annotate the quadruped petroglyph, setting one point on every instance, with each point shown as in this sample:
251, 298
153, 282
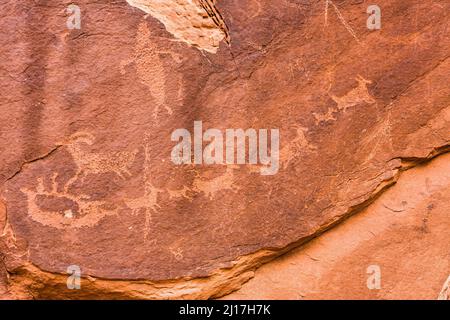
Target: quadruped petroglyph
57, 206
295, 148
354, 97
64, 210
95, 163
65, 203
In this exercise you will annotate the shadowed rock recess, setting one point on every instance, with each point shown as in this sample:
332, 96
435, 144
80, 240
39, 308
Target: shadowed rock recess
87, 179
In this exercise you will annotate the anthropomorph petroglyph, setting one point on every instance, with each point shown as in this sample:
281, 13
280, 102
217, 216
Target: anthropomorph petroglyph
151, 70
148, 202
354, 97
51, 200
445, 292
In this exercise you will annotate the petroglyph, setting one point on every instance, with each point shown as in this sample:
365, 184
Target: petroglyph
380, 139
52, 204
148, 202
62, 210
354, 97
176, 252
216, 185
96, 163
340, 17
296, 147
152, 72
182, 193
197, 23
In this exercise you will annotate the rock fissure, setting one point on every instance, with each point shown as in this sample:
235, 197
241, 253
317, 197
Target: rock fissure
27, 163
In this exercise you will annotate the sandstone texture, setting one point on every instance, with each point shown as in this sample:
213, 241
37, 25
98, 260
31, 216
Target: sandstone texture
404, 233
87, 178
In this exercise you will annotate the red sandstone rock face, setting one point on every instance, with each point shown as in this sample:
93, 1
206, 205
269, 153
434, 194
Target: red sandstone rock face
86, 175
403, 233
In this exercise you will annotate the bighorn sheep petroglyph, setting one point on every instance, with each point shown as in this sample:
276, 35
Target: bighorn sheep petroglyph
88, 163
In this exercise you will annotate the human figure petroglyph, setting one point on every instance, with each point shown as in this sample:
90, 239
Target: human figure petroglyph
51, 203
87, 163
151, 71
147, 204
354, 97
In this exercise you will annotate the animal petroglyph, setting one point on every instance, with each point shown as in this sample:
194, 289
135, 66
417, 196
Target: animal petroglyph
354, 97
152, 73
297, 146
213, 186
87, 163
197, 23
62, 210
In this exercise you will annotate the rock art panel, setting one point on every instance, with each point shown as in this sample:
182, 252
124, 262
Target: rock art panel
86, 174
